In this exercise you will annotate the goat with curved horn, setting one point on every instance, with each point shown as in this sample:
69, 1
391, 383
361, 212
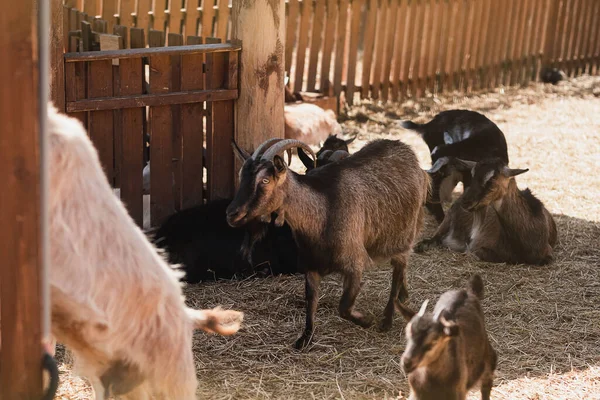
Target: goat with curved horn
284, 145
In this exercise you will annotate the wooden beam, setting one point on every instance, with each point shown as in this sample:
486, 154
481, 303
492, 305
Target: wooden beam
57, 66
21, 206
135, 53
259, 109
157, 99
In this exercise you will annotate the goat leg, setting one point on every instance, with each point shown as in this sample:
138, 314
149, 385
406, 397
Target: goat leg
486, 385
352, 285
398, 291
312, 283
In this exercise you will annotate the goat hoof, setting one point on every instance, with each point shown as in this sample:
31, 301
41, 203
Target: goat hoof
366, 322
421, 247
302, 342
385, 325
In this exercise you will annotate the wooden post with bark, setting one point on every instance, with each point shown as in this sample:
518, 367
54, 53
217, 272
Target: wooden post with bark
21, 213
259, 108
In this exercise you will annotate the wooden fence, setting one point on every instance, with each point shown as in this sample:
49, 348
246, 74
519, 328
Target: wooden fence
182, 96
392, 49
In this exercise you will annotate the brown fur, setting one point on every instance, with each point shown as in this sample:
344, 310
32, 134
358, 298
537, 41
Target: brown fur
496, 221
448, 351
381, 190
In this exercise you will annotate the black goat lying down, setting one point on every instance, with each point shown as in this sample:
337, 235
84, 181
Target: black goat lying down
207, 248
463, 134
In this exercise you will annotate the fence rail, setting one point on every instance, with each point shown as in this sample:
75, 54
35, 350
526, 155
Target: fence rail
181, 95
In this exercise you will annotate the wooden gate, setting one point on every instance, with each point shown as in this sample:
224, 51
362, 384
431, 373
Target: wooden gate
182, 96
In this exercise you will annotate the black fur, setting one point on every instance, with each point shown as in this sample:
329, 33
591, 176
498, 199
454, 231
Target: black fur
200, 239
551, 75
474, 138
535, 205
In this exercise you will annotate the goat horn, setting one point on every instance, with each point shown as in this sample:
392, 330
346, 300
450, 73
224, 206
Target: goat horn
325, 155
285, 144
423, 308
264, 146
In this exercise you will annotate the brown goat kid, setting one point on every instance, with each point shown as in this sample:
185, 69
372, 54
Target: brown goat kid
448, 351
495, 220
381, 189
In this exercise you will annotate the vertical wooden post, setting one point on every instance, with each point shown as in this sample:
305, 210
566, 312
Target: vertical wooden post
259, 108
21, 206
57, 49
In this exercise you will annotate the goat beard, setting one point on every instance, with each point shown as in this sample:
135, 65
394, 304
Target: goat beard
256, 231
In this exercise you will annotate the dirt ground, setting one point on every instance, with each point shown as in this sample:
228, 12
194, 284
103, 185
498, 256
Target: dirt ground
544, 322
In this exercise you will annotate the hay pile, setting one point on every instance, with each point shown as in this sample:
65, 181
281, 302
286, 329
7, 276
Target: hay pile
543, 321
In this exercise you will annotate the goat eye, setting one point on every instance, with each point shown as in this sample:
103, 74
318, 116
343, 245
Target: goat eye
265, 181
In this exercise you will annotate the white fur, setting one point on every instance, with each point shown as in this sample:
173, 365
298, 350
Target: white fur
309, 123
101, 259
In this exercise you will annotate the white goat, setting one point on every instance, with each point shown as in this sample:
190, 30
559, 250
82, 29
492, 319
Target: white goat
309, 123
130, 331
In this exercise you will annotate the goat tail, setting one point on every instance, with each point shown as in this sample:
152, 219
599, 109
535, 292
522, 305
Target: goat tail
476, 286
217, 320
411, 125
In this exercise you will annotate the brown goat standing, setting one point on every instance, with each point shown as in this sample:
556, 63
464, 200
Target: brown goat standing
381, 190
495, 220
448, 352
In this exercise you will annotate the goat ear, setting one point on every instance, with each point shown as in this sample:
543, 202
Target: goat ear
513, 172
306, 160
406, 312
440, 162
241, 153
279, 164
450, 328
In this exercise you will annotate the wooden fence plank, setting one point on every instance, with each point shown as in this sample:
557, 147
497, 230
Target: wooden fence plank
489, 43
421, 62
455, 31
315, 44
530, 51
208, 13
596, 57
100, 84
484, 29
400, 40
109, 11
517, 54
159, 18
192, 130
143, 14
306, 8
565, 32
218, 143
161, 130
459, 44
290, 38
391, 19
156, 38
368, 47
126, 12
585, 36
132, 161
595, 27
572, 49
379, 49
407, 49
175, 16
90, 7
507, 45
357, 6
176, 40
121, 31
22, 271
582, 28
434, 45
208, 75
57, 47
340, 45
223, 19
329, 40
191, 18
442, 48
417, 48
467, 45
